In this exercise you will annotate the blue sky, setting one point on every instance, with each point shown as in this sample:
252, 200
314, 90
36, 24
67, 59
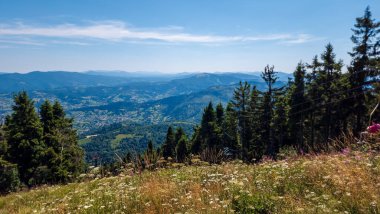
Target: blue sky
173, 35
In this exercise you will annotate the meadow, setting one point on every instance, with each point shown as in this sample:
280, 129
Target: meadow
345, 182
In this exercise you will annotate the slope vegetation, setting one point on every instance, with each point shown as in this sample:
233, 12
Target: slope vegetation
340, 183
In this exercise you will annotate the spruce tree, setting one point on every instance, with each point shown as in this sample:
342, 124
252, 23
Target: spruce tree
219, 114
312, 96
64, 156
209, 132
180, 133
255, 149
23, 133
196, 141
168, 148
240, 102
280, 121
270, 78
181, 150
229, 131
150, 155
297, 106
46, 114
365, 50
9, 177
332, 71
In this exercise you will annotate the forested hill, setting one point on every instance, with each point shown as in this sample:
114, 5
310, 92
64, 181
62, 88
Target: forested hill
96, 99
37, 81
13, 82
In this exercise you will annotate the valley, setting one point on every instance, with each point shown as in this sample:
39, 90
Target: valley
123, 97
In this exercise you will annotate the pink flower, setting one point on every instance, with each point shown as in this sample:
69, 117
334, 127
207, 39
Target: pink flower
375, 128
346, 151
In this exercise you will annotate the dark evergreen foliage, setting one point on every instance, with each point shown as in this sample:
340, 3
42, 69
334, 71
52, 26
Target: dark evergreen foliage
168, 148
181, 150
41, 149
24, 138
297, 104
365, 54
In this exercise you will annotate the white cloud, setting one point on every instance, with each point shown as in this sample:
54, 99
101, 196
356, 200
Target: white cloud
118, 31
21, 42
302, 38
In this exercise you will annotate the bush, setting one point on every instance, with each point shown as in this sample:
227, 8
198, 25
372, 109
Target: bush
9, 179
245, 203
212, 155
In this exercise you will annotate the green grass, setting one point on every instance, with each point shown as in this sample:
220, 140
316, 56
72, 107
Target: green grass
119, 138
337, 183
84, 141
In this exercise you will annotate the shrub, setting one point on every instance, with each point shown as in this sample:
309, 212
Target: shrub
212, 155
246, 203
9, 179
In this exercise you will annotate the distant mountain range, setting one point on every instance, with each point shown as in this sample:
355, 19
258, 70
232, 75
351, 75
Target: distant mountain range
36, 80
99, 98
12, 82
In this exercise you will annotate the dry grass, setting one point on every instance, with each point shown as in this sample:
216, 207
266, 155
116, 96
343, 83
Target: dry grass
337, 183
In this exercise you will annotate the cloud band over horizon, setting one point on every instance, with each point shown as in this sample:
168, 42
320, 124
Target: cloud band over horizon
117, 31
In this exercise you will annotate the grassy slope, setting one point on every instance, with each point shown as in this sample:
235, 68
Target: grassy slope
115, 142
341, 183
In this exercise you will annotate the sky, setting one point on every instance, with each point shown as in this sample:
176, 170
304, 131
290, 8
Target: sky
173, 36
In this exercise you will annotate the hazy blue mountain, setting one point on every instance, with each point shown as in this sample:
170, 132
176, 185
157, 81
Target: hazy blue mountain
176, 83
144, 76
13, 82
159, 76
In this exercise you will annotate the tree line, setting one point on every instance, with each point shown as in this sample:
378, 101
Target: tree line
38, 148
318, 104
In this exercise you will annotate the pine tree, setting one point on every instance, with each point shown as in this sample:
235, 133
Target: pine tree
219, 115
24, 137
312, 97
196, 141
181, 150
241, 104
255, 149
180, 133
365, 49
332, 72
150, 156
64, 157
209, 132
168, 148
9, 177
297, 106
229, 131
46, 114
270, 78
280, 121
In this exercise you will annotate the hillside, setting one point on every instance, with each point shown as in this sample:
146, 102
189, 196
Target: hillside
133, 97
13, 82
124, 138
340, 183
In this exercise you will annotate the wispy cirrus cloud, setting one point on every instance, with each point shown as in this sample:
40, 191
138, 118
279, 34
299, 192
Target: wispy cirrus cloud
20, 42
117, 31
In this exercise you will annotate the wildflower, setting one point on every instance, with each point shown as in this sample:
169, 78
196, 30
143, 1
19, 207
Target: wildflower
375, 128
87, 206
326, 177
